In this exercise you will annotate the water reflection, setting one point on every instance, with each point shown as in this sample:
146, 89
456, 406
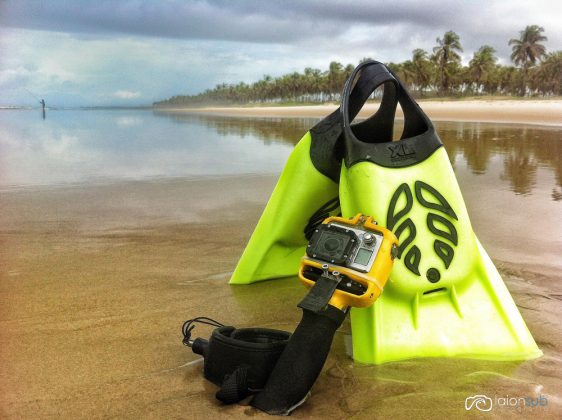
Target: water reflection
471, 142
80, 146
99, 146
522, 148
521, 170
268, 130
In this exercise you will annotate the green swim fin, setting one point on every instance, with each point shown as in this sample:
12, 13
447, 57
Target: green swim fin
307, 191
444, 298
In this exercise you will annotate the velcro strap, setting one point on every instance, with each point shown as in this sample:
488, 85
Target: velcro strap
319, 296
235, 386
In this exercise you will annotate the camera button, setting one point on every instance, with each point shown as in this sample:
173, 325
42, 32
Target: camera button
369, 238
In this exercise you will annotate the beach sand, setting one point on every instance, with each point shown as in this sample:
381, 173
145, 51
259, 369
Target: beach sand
96, 282
542, 112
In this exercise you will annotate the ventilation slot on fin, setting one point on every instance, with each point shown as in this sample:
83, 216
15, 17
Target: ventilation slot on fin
440, 289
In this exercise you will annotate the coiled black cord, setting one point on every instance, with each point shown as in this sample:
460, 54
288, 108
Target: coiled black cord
318, 217
188, 326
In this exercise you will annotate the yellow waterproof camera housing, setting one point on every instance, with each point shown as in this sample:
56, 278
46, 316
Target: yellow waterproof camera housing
355, 252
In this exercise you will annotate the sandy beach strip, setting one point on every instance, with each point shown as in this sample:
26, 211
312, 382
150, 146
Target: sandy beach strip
537, 112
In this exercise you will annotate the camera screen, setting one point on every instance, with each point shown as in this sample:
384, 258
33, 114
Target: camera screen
363, 256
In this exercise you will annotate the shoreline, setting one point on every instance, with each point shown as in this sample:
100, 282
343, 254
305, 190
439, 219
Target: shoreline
533, 112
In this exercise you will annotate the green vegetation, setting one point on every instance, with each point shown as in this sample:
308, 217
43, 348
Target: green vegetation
536, 73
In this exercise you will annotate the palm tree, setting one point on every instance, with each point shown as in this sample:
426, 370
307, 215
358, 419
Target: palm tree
407, 73
548, 77
505, 79
527, 50
335, 76
312, 83
422, 69
482, 65
446, 57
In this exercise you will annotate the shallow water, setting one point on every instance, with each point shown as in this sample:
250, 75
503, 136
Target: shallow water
97, 276
510, 170
80, 146
105, 146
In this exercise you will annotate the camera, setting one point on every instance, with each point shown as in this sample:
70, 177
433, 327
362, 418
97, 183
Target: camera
356, 252
353, 247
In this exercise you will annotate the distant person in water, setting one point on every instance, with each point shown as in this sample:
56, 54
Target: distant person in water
42, 102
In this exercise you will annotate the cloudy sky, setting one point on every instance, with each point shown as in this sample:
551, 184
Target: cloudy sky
137, 51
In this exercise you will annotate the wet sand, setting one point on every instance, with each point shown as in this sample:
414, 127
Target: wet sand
541, 112
97, 280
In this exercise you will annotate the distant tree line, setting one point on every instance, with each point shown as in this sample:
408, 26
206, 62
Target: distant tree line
535, 73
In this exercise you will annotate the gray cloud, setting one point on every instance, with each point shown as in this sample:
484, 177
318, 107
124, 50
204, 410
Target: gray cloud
82, 52
283, 21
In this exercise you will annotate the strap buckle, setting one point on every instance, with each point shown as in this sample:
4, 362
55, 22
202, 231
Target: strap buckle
320, 294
